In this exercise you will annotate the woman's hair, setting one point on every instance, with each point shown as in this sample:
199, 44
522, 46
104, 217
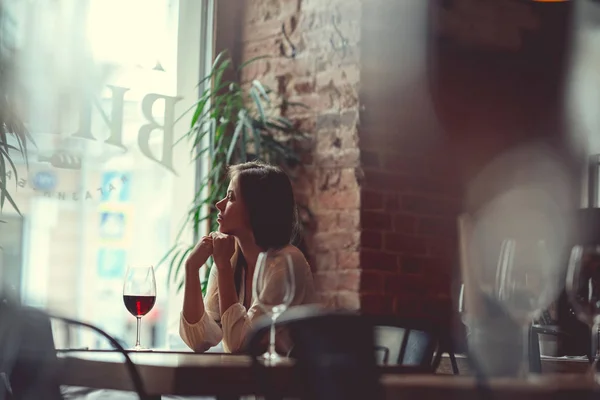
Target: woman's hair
269, 199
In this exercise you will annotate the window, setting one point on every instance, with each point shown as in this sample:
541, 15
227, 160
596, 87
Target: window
106, 187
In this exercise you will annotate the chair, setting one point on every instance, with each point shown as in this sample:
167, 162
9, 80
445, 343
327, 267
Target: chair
409, 342
535, 357
333, 353
133, 372
28, 361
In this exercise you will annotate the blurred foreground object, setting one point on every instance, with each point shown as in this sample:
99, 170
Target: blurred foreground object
28, 363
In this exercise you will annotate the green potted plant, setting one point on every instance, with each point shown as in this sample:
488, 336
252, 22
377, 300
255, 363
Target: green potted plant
232, 123
13, 133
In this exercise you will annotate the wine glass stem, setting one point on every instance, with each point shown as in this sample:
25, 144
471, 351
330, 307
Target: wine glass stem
595, 349
526, 345
137, 337
272, 336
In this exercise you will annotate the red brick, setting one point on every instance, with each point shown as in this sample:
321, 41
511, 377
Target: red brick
306, 124
303, 85
372, 282
409, 305
435, 186
400, 163
375, 220
369, 159
328, 300
339, 158
312, 104
348, 300
376, 304
336, 241
263, 47
256, 70
348, 259
349, 220
327, 221
349, 280
372, 259
385, 181
391, 202
339, 199
444, 227
262, 30
404, 223
428, 265
326, 281
338, 178
325, 261
349, 74
337, 98
405, 283
371, 200
443, 247
423, 205
404, 244
371, 240
298, 67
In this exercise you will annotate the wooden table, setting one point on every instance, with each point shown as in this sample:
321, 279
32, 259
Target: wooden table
549, 365
222, 375
184, 374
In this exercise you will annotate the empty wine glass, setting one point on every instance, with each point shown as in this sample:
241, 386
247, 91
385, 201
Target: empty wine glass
139, 295
273, 288
583, 290
524, 285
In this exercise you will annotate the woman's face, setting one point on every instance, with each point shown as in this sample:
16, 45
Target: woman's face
233, 218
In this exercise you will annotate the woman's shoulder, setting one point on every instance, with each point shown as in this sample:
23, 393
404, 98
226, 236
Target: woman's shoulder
293, 252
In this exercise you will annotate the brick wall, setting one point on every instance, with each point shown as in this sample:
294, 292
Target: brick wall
327, 81
402, 99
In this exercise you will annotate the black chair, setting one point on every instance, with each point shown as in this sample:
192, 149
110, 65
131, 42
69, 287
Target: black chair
333, 352
28, 364
133, 371
409, 342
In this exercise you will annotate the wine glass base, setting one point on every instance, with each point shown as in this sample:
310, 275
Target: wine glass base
139, 348
271, 358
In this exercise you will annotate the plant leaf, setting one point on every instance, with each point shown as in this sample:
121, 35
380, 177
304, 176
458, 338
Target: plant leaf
258, 103
261, 90
234, 138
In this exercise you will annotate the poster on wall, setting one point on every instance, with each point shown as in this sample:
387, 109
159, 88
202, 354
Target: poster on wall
111, 263
116, 187
112, 225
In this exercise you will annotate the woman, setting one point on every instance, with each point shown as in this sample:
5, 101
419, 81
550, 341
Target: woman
258, 213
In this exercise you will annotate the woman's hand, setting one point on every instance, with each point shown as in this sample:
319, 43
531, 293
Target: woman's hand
223, 248
200, 254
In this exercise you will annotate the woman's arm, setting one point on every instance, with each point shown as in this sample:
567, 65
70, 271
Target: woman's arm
227, 292
193, 305
197, 326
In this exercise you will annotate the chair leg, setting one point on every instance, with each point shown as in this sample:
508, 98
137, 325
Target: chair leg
454, 363
535, 360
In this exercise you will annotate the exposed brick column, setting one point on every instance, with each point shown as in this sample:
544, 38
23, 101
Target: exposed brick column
327, 81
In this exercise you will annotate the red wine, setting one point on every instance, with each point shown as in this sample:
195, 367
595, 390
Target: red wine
139, 306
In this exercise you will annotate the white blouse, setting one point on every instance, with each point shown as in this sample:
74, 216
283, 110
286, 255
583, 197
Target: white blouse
236, 321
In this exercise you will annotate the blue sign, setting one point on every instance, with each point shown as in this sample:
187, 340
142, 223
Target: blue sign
111, 263
45, 181
116, 186
112, 225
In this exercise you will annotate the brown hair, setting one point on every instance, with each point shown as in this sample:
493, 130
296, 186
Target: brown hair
267, 193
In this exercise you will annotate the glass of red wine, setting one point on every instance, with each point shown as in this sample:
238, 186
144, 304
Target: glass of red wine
139, 295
